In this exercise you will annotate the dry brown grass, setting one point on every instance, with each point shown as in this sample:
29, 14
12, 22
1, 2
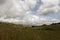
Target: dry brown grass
10, 32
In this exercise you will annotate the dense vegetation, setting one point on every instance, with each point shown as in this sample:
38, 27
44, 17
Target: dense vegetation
52, 27
10, 31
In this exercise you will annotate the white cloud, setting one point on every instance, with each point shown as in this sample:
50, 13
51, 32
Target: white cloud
49, 6
18, 11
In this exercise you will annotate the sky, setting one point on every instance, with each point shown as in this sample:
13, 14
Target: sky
30, 12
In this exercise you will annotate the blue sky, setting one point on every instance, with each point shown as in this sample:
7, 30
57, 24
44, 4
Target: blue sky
32, 12
37, 5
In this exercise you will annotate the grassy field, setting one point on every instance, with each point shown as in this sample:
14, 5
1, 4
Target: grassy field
19, 32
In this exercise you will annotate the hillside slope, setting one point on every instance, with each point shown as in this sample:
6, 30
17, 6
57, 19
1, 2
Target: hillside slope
18, 32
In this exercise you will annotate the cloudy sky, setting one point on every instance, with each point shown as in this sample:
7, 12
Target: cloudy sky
32, 12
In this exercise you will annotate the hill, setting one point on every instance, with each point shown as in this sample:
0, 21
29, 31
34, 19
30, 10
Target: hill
10, 31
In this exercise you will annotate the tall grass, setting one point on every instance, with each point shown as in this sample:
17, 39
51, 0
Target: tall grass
18, 32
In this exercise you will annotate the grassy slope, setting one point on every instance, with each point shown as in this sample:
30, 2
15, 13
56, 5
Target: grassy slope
18, 32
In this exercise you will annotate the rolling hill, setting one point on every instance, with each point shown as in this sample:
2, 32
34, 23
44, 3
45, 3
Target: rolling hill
9, 31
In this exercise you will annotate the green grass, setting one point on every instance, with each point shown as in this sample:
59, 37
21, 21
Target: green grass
19, 32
